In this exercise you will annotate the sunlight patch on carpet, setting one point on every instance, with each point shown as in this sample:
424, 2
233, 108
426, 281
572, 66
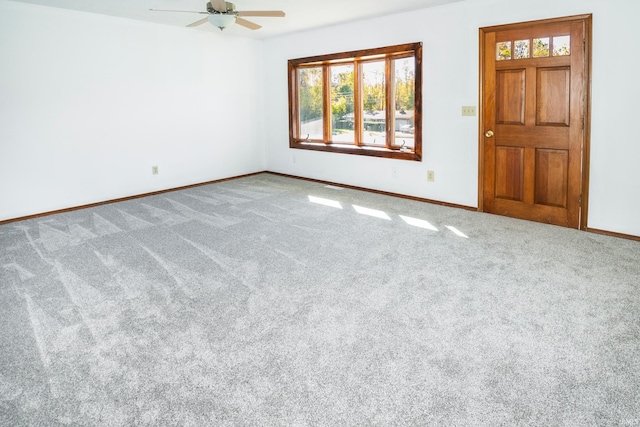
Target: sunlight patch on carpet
371, 212
457, 232
325, 202
418, 223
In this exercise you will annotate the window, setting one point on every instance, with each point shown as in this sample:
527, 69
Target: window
561, 47
365, 102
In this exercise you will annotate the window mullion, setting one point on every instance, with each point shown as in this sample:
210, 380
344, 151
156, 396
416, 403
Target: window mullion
390, 102
294, 116
326, 104
357, 103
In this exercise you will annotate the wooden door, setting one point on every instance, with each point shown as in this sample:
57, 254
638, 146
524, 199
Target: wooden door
533, 129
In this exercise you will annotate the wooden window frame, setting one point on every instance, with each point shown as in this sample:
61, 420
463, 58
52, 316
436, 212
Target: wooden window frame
358, 57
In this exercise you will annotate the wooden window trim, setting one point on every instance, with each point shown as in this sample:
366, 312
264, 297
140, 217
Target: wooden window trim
358, 57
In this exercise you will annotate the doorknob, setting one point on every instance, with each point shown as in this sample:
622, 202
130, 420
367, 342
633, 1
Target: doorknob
488, 133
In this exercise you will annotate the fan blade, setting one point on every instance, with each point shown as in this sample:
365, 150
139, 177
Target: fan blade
200, 22
248, 24
269, 13
219, 5
180, 11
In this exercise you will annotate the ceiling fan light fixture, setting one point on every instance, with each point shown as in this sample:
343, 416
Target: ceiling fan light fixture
221, 20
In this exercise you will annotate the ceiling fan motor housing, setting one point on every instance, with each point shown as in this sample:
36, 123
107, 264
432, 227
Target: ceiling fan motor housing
231, 8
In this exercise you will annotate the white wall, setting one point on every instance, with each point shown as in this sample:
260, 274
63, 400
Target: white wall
89, 103
450, 144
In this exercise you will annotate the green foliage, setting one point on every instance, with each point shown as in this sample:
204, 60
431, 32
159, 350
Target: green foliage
561, 51
540, 48
342, 90
405, 88
504, 50
310, 94
521, 49
373, 98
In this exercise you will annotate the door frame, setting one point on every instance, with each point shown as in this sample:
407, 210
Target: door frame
586, 107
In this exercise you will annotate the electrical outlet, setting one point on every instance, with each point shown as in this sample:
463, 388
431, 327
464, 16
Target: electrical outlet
394, 171
154, 170
469, 110
431, 176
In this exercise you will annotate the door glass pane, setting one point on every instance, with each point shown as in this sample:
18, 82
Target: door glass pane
373, 103
310, 102
342, 103
521, 49
503, 51
562, 46
405, 84
541, 47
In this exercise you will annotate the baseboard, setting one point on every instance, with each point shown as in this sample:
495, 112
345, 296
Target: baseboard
613, 234
124, 199
385, 193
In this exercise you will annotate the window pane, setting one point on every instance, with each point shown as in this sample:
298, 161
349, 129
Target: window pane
342, 116
541, 47
373, 103
310, 102
521, 49
503, 51
562, 46
405, 81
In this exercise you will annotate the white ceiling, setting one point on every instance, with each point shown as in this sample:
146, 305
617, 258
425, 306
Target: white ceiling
301, 14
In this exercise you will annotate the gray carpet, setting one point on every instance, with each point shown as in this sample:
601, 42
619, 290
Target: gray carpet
249, 303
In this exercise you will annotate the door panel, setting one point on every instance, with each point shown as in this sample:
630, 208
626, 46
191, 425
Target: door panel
553, 92
509, 173
552, 167
510, 97
533, 104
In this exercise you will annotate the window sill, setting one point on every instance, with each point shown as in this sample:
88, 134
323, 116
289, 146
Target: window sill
363, 151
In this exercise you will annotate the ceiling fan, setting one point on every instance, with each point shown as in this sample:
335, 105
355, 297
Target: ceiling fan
222, 13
